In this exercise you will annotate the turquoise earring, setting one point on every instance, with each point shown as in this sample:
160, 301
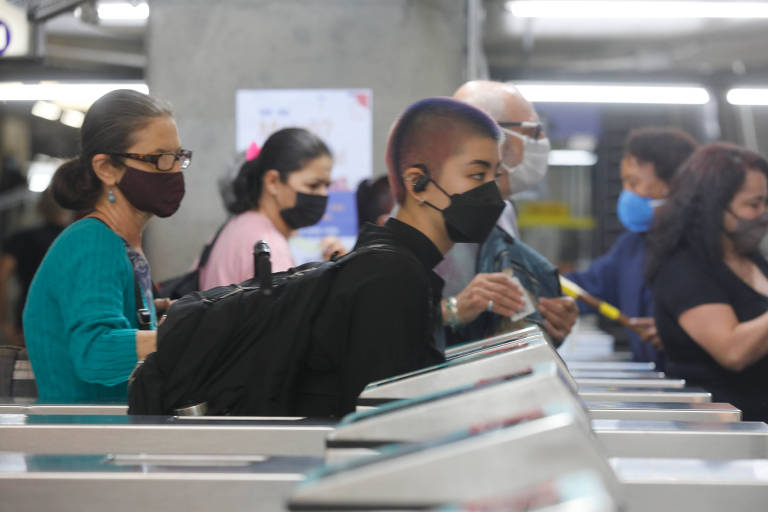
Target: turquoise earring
111, 196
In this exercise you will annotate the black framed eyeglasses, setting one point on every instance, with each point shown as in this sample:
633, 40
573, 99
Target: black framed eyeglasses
161, 161
532, 125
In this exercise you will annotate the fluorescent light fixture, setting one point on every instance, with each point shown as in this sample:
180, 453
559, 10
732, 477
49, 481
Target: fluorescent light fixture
746, 96
40, 172
606, 93
73, 118
123, 11
46, 110
620, 9
65, 93
572, 158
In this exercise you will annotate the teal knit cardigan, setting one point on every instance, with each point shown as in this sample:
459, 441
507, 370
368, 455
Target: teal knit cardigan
80, 318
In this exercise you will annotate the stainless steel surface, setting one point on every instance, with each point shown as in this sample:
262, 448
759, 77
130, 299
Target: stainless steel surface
617, 374
614, 394
130, 484
671, 485
670, 411
672, 439
596, 356
67, 409
157, 435
193, 410
465, 466
576, 492
611, 365
490, 363
633, 383
528, 332
434, 416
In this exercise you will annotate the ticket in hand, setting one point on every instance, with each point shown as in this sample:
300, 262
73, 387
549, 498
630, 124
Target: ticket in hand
529, 307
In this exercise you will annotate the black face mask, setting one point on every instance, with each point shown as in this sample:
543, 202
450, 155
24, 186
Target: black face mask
471, 216
748, 233
308, 211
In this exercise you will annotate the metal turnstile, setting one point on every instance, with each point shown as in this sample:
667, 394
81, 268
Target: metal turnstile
65, 409
488, 363
631, 383
524, 334
671, 485
127, 483
480, 462
162, 435
674, 439
616, 374
610, 366
580, 491
540, 391
614, 394
670, 411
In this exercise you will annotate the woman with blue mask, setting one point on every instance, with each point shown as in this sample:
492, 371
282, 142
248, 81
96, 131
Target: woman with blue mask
651, 158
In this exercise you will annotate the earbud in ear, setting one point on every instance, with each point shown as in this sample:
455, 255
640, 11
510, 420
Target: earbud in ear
420, 184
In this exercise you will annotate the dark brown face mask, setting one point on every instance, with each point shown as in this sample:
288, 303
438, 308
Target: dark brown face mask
749, 233
154, 192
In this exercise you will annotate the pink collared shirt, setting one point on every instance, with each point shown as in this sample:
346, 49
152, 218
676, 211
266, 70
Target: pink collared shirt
231, 260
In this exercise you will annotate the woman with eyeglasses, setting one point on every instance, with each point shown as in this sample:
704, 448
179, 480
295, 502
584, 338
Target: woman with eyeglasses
90, 313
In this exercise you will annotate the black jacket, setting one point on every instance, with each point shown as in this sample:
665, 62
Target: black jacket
379, 320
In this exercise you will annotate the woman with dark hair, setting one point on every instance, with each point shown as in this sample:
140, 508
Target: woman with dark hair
709, 280
90, 313
652, 156
374, 201
281, 190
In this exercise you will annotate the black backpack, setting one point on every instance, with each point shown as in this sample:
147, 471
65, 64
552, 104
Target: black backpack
238, 349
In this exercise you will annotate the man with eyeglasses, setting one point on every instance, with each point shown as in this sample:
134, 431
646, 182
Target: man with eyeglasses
470, 270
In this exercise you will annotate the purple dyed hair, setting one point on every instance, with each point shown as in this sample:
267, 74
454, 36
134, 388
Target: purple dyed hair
430, 131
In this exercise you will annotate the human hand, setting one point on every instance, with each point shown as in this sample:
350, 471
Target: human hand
496, 290
163, 305
650, 333
560, 314
331, 245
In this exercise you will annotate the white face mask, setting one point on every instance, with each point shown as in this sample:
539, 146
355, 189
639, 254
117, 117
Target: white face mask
534, 166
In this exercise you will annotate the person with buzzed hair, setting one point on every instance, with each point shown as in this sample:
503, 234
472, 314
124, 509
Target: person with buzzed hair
381, 317
525, 149
524, 152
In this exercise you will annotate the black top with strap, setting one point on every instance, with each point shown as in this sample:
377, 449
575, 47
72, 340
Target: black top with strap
378, 321
686, 280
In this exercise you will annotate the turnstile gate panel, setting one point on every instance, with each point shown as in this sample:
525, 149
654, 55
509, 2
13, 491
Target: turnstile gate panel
127, 483
162, 435
487, 364
473, 464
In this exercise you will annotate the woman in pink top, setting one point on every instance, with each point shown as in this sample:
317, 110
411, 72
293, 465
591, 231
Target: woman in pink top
283, 189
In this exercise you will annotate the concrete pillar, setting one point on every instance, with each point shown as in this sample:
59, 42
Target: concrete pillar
201, 52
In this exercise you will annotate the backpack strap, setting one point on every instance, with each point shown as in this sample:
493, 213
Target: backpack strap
209, 247
375, 248
143, 314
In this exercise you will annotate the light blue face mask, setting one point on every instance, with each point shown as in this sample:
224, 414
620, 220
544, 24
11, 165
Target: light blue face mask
635, 211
